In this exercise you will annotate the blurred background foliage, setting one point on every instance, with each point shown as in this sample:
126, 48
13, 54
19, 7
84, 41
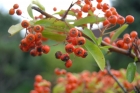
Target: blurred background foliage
17, 69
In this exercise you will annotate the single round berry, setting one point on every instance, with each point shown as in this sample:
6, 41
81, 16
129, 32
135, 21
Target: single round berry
112, 19
85, 8
133, 34
58, 54
73, 32
85, 54
107, 40
33, 52
79, 51
37, 28
68, 63
15, 6
30, 38
18, 12
12, 11
129, 19
120, 20
25, 23
65, 57
69, 48
81, 40
45, 49
108, 13
38, 36
38, 78
54, 9
99, 6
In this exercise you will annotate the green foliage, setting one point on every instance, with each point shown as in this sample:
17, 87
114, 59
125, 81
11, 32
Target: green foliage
131, 70
29, 10
36, 2
88, 19
118, 32
96, 53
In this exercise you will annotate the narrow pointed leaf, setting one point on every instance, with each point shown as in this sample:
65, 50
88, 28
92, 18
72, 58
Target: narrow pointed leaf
118, 32
97, 54
29, 10
88, 19
90, 34
15, 29
36, 2
99, 40
131, 69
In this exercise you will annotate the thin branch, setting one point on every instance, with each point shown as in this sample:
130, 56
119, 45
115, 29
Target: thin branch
108, 67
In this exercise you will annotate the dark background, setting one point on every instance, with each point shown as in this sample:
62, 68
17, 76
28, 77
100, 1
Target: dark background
17, 69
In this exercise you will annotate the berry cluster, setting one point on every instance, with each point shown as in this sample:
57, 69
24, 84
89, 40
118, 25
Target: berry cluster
96, 82
74, 42
41, 85
126, 42
33, 40
15, 9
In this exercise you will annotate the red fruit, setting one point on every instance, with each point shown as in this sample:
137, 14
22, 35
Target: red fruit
18, 12
30, 38
45, 49
85, 54
58, 54
106, 23
112, 19
107, 40
86, 8
38, 78
33, 52
120, 20
133, 34
99, 1
126, 39
25, 23
99, 6
81, 40
129, 19
68, 63
37, 28
108, 13
65, 57
69, 48
38, 36
79, 51
120, 43
73, 32
15, 6
57, 71
11, 11
54, 9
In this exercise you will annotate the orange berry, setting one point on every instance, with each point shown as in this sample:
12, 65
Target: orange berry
87, 1
45, 49
120, 43
107, 40
79, 51
65, 57
58, 54
99, 6
68, 63
105, 6
25, 23
106, 23
69, 48
73, 32
54, 9
30, 38
38, 78
108, 13
99, 1
11, 11
133, 34
18, 12
15, 6
37, 28
79, 14
112, 19
85, 8
129, 19
120, 20
126, 39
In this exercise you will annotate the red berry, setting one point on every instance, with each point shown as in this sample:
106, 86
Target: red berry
112, 19
73, 32
54, 9
81, 40
58, 54
129, 19
15, 6
25, 23
38, 78
133, 34
79, 51
68, 63
45, 49
120, 20
18, 12
69, 48
11, 11
65, 57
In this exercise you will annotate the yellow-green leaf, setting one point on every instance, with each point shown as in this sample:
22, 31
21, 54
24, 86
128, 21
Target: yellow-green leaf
29, 10
36, 2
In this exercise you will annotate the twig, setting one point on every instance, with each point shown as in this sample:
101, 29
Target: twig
108, 67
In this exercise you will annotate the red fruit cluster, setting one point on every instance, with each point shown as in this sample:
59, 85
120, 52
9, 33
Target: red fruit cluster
41, 85
74, 41
33, 40
58, 71
95, 82
126, 42
15, 9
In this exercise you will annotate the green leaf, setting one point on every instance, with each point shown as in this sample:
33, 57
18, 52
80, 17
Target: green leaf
15, 29
36, 2
88, 19
118, 32
131, 69
96, 53
90, 34
63, 11
29, 9
59, 88
99, 40
53, 35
